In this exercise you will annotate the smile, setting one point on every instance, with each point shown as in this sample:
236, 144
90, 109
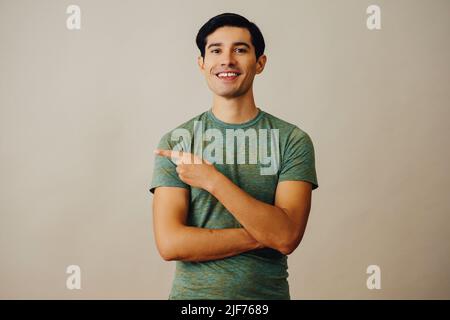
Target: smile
227, 76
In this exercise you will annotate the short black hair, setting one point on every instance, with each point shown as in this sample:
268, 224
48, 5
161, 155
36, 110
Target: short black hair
231, 20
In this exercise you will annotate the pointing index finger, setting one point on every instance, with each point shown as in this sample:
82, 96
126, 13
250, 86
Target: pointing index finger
168, 153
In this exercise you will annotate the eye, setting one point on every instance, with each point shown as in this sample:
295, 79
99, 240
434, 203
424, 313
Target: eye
215, 51
241, 50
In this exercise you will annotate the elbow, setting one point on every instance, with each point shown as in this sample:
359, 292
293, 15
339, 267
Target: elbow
166, 251
168, 245
166, 256
286, 249
289, 245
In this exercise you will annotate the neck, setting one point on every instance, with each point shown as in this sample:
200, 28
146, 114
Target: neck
235, 110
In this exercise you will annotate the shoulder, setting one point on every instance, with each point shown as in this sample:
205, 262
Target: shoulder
288, 129
187, 126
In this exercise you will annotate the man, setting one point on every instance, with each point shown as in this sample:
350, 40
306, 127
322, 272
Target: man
227, 220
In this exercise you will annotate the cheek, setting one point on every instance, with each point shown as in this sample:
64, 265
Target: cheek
210, 74
209, 66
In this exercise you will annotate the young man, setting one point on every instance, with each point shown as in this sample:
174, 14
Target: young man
229, 213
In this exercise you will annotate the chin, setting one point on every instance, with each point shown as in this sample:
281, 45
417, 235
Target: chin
228, 95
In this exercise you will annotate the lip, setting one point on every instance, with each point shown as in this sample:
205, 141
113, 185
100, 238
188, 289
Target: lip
228, 80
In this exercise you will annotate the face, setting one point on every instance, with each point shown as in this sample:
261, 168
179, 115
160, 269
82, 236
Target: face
230, 64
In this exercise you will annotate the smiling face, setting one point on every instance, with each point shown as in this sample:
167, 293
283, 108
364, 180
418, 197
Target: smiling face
230, 64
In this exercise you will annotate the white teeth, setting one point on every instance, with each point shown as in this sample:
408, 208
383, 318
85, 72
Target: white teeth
229, 74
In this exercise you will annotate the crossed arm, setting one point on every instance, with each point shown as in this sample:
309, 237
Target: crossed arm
280, 226
176, 241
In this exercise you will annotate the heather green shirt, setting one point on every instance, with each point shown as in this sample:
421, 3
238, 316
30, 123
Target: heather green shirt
256, 274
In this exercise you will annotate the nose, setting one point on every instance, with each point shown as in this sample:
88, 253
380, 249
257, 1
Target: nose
228, 58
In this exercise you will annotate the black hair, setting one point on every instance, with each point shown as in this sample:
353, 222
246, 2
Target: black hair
231, 20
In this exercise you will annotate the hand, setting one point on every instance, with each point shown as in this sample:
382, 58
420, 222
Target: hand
193, 170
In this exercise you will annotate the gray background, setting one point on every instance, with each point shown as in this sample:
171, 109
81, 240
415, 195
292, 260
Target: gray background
81, 112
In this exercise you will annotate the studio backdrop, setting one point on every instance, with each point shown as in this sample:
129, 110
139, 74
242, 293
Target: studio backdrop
87, 89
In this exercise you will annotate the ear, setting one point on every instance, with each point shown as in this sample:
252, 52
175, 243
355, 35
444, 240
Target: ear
261, 63
200, 62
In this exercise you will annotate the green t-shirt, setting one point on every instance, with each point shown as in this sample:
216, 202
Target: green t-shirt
255, 274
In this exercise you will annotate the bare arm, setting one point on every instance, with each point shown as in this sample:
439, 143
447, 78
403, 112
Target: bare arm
176, 241
280, 226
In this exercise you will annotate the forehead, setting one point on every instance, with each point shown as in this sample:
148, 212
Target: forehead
228, 35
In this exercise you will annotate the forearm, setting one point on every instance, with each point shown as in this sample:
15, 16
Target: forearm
268, 224
200, 244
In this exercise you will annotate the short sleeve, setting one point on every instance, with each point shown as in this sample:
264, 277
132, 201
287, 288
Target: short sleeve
164, 171
298, 162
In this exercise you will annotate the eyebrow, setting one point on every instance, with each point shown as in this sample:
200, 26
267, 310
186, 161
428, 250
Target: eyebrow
219, 44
